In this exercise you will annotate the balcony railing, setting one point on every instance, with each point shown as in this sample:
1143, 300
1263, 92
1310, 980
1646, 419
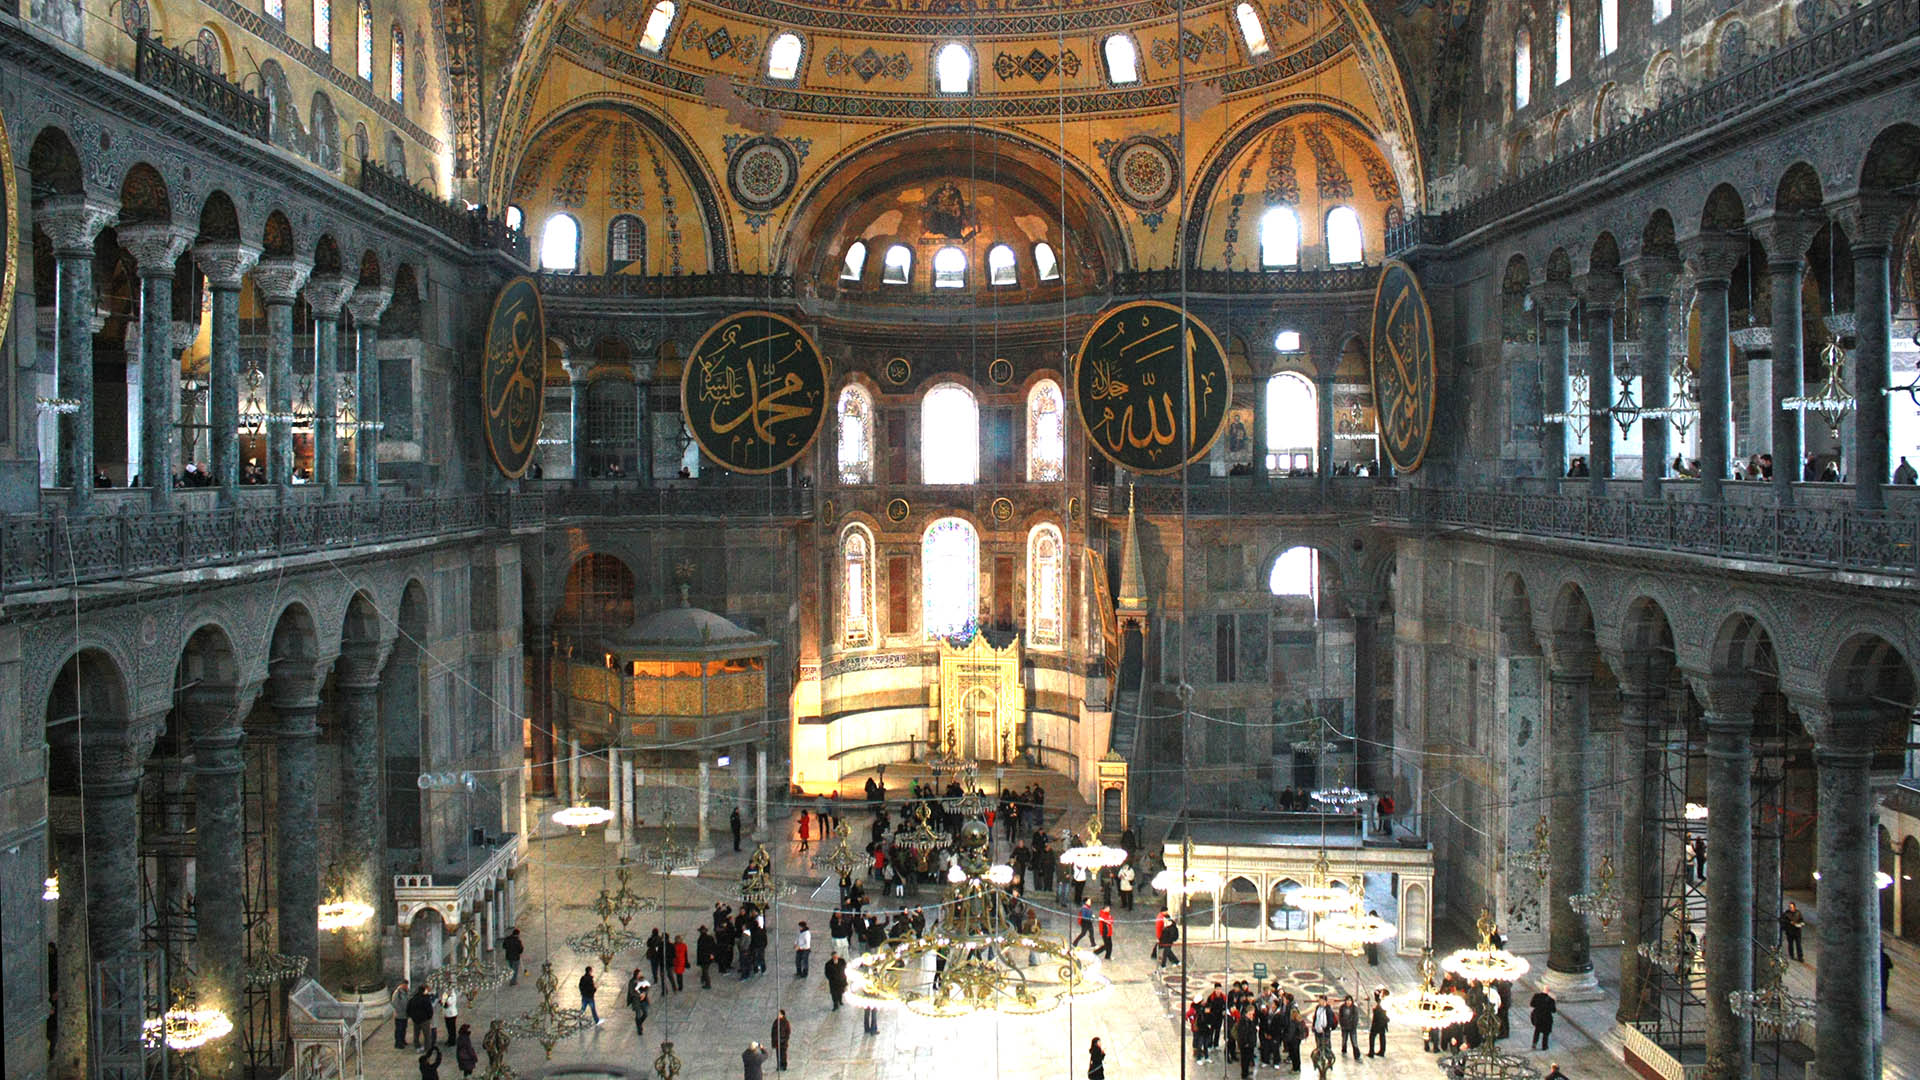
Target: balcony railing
667, 286
1233, 496
1835, 538
470, 227
1160, 282
173, 73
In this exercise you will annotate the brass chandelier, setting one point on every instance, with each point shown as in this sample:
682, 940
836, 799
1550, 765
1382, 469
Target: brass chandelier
471, 973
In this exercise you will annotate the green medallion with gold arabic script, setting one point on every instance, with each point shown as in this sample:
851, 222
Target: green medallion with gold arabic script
1404, 370
754, 392
1152, 388
513, 376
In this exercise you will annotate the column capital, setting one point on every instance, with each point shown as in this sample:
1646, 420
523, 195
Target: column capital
1571, 657
155, 245
1655, 276
110, 754
1787, 236
1846, 726
642, 371
359, 667
226, 263
368, 303
1729, 700
327, 294
577, 369
1601, 289
1871, 219
1554, 299
73, 222
280, 278
1713, 253
181, 334
1642, 672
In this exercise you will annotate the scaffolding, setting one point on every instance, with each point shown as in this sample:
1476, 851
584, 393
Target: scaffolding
264, 1032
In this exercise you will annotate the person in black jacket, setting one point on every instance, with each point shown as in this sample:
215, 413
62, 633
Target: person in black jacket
587, 988
782, 1035
430, 1062
1349, 1028
836, 973
464, 1054
513, 947
1096, 1062
704, 949
1543, 1007
1377, 1028
1169, 937
420, 1011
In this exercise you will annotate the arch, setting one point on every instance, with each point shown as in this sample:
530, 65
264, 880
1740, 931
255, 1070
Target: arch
1658, 239
394, 157
1645, 629
1345, 238
854, 263
599, 591
953, 68
369, 269
653, 36
1893, 160
1799, 191
326, 256
143, 196
896, 266
854, 447
1867, 668
1562, 43
1741, 644
1046, 433
1279, 237
783, 56
1046, 587
560, 243
626, 243
1724, 209
949, 578
857, 558
294, 647
90, 685
325, 150
1513, 614
219, 220
949, 435
1571, 615
208, 670
1002, 267
1293, 423
1522, 68
276, 237
1123, 59
1240, 905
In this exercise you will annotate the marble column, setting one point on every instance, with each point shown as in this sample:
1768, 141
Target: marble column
280, 280
1643, 858
295, 700
1260, 428
1847, 978
1769, 768
72, 1019
1554, 299
1656, 275
577, 403
367, 305
1569, 734
703, 839
225, 265
627, 796
615, 832
1727, 940
1602, 293
156, 247
1873, 221
111, 755
73, 223
760, 803
1786, 239
742, 777
1370, 749
1714, 256
1323, 411
326, 295
643, 424
363, 839
219, 869
541, 783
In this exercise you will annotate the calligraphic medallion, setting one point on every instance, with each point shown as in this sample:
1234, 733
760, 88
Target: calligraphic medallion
899, 370
1404, 369
754, 392
9, 230
513, 378
897, 511
1152, 393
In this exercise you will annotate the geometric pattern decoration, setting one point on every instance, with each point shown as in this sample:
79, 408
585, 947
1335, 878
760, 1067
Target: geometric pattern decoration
761, 172
1036, 65
718, 42
868, 65
1194, 46
1144, 171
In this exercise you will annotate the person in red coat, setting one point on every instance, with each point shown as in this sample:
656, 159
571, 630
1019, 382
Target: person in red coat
679, 962
1106, 933
806, 831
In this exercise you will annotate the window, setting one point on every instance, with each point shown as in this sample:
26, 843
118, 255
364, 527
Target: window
856, 557
1293, 424
1297, 573
323, 25
1662, 9
560, 244
856, 436
654, 37
1522, 68
1045, 261
949, 436
1000, 268
855, 262
398, 71
1280, 237
1251, 31
395, 157
783, 57
1123, 60
1343, 236
954, 68
1287, 341
626, 242
275, 9
1609, 26
362, 148
1562, 44
516, 217
949, 268
365, 39
1046, 591
1046, 433
949, 578
897, 266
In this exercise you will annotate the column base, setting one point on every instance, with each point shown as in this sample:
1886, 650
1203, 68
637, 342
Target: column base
1573, 985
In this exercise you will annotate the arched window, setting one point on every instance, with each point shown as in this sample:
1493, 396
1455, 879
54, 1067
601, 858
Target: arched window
1046, 433
1293, 424
855, 262
1123, 60
626, 242
516, 217
1522, 68
1297, 573
954, 68
1000, 268
1279, 237
398, 71
783, 57
949, 268
275, 10
326, 133
323, 25
1562, 44
1609, 26
395, 156
365, 41
1251, 31
949, 578
898, 265
659, 20
1287, 341
1662, 9
560, 244
362, 148
856, 587
1046, 588
856, 436
1344, 244
949, 436
1046, 262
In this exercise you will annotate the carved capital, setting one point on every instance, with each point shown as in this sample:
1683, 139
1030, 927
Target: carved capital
73, 222
1554, 299
1642, 672
182, 335
368, 303
1787, 237
1871, 218
110, 754
226, 264
1729, 700
1571, 656
1712, 254
1654, 276
155, 245
642, 371
328, 293
577, 369
1601, 289
280, 279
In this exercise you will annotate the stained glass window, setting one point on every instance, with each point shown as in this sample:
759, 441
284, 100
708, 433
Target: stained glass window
856, 552
1046, 594
323, 25
949, 578
366, 40
856, 436
949, 436
398, 73
1046, 433
275, 9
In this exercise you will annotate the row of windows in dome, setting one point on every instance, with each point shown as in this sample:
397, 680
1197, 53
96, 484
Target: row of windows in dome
953, 64
322, 12
949, 265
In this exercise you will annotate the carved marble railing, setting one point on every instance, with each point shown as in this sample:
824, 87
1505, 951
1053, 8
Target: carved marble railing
667, 286
171, 72
470, 227
1162, 282
561, 500
1233, 496
1829, 537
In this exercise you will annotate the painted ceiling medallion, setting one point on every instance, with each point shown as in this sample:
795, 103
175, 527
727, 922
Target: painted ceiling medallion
1144, 172
761, 173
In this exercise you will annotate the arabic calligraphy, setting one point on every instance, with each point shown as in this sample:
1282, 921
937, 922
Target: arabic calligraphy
1404, 371
1152, 387
754, 392
513, 376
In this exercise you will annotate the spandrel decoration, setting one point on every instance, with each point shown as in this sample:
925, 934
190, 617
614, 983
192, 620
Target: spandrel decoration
513, 376
1152, 389
1404, 371
754, 392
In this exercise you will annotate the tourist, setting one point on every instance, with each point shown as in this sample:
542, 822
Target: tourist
1371, 948
782, 1035
806, 832
1904, 473
1169, 937
587, 987
1325, 1020
1554, 1073
835, 970
640, 1000
1096, 1062
1543, 1008
704, 951
430, 1062
1106, 934
1084, 922
751, 1059
399, 1003
464, 1054
870, 1021
657, 958
1792, 923
733, 822
513, 948
1126, 876
1698, 849
1244, 1035
420, 1011
802, 950
1349, 1028
1377, 1025
450, 1010
678, 967
1293, 1032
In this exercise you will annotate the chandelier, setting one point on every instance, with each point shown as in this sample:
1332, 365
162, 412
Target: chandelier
303, 402
1485, 963
186, 1026
1538, 859
471, 974
1578, 409
758, 886
1427, 1008
1677, 954
1626, 411
1093, 856
604, 941
1684, 397
57, 406
840, 857
547, 1023
253, 416
1601, 902
1771, 1008
625, 903
967, 963
1340, 796
669, 856
496, 1042
50, 888
667, 1065
339, 912
1832, 401
1316, 745
582, 816
944, 758
970, 803
1486, 1061
346, 417
274, 968
1320, 896
1350, 930
922, 839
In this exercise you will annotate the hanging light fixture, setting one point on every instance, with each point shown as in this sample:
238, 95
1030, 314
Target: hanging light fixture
1485, 963
667, 855
302, 414
582, 816
1093, 856
1341, 796
50, 888
623, 904
547, 1023
252, 417
1678, 954
1602, 902
758, 886
1771, 1008
274, 968
1427, 1008
922, 839
1487, 1061
667, 1065
1320, 896
1538, 860
1832, 401
471, 974
1578, 410
339, 911
186, 1026
1351, 930
604, 941
942, 759
840, 858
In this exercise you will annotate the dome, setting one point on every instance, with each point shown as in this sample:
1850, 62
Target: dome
687, 629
